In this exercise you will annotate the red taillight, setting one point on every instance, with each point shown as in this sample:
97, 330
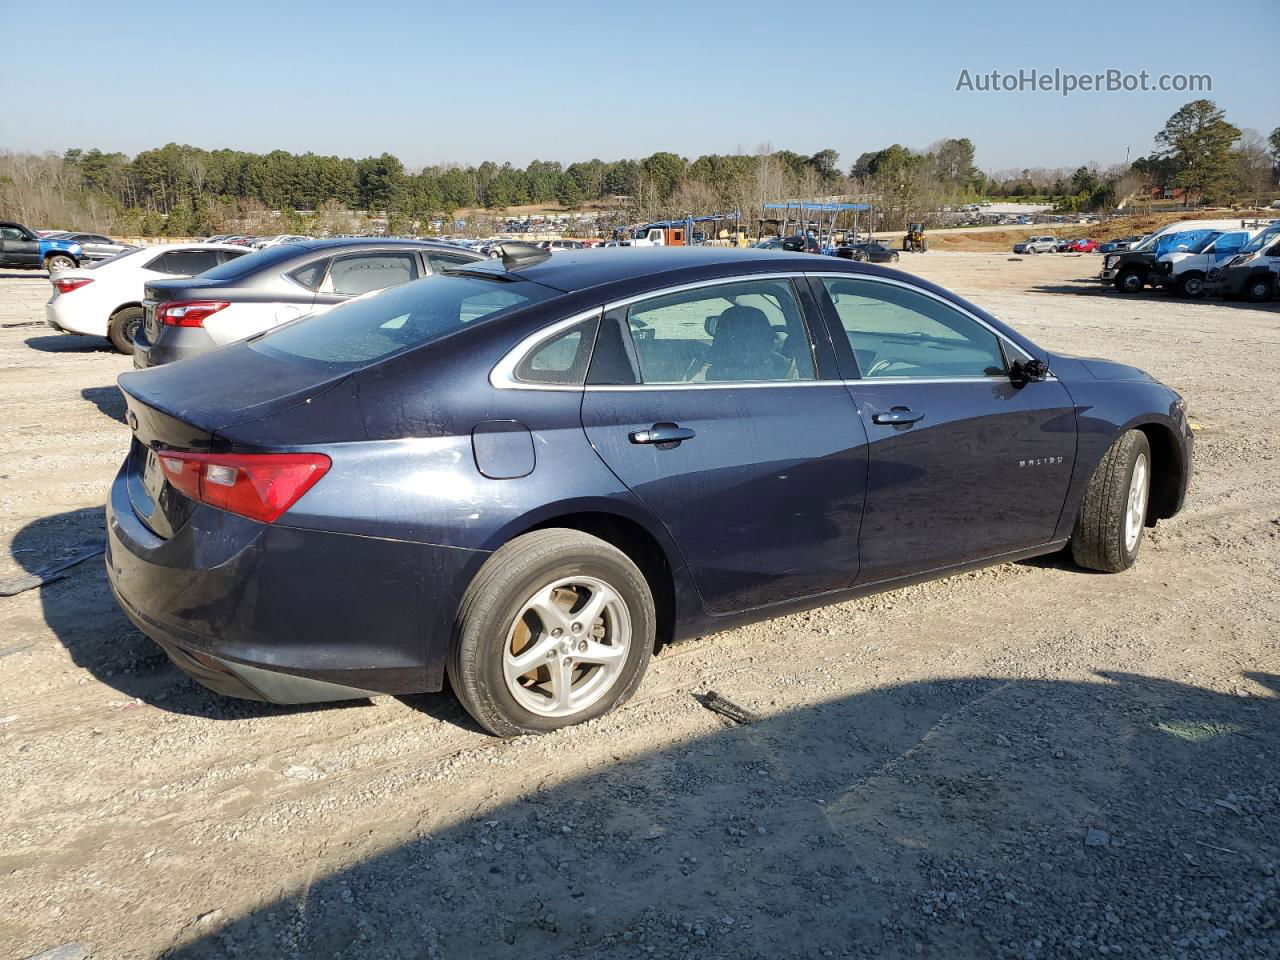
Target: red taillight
260, 486
67, 284
188, 313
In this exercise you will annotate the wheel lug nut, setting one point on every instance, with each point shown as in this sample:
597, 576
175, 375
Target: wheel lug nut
557, 632
576, 628
582, 645
551, 654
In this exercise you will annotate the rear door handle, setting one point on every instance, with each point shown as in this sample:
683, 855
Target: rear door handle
898, 416
663, 433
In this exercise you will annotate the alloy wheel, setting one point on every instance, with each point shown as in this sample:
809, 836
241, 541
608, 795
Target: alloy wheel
1135, 514
567, 646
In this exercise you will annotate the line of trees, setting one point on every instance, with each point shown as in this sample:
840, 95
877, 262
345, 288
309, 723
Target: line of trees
183, 190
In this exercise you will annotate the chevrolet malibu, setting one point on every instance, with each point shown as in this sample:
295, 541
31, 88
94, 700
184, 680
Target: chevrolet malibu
526, 474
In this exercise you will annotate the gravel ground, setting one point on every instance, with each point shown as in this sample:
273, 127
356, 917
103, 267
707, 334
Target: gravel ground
1028, 761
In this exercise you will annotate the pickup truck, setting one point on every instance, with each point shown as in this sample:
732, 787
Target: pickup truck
20, 246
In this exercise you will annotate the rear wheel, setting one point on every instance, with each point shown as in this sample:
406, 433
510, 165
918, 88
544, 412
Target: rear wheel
123, 328
1130, 281
557, 628
1260, 289
1108, 530
58, 262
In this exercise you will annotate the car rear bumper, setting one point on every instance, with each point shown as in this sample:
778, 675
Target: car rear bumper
275, 613
65, 321
178, 343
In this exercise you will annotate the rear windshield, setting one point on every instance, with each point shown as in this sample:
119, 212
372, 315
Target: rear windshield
378, 325
252, 262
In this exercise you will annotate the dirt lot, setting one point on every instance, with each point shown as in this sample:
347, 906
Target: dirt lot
1029, 761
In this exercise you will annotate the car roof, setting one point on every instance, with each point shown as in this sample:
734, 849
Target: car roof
327, 243
594, 267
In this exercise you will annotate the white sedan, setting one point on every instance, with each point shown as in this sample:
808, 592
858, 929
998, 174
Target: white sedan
105, 299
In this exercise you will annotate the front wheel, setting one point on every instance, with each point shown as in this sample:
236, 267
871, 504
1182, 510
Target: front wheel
557, 628
59, 262
123, 329
1130, 281
894, 258
1260, 289
1108, 530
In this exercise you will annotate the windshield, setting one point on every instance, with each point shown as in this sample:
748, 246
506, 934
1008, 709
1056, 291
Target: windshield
1261, 240
376, 326
1192, 240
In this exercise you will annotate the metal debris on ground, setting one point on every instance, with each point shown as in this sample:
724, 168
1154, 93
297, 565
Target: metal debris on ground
68, 951
726, 708
55, 571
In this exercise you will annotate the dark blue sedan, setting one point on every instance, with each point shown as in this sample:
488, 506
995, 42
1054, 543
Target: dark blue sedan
527, 473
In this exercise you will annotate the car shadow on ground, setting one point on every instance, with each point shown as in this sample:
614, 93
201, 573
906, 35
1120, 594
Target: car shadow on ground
956, 818
108, 400
1091, 287
84, 616
70, 343
25, 275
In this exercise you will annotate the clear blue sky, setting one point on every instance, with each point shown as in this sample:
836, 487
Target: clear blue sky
563, 80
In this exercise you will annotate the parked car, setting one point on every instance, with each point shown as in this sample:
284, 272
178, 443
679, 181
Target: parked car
559, 246
1037, 245
1131, 270
1124, 243
1183, 268
22, 247
104, 299
873, 251
528, 472
273, 286
1254, 273
792, 244
96, 246
1081, 245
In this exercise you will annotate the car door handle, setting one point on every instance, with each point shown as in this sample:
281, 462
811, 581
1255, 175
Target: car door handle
663, 433
898, 416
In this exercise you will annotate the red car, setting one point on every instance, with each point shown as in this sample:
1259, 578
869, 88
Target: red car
1083, 245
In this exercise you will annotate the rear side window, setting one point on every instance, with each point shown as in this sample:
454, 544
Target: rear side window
365, 272
185, 263
899, 333
743, 332
441, 262
411, 315
310, 275
561, 359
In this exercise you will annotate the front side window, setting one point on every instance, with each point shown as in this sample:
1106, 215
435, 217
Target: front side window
1229, 244
365, 272
746, 332
897, 332
11, 233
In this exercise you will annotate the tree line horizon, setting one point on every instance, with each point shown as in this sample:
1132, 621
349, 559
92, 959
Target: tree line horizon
183, 190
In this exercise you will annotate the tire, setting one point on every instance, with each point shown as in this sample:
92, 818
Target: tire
1259, 289
59, 261
123, 327
860, 256
894, 258
924, 246
1190, 285
496, 613
1108, 530
906, 245
1130, 281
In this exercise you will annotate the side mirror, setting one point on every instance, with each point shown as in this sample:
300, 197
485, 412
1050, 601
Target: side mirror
1022, 372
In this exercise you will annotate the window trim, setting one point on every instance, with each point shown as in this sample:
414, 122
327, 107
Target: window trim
335, 255
1004, 340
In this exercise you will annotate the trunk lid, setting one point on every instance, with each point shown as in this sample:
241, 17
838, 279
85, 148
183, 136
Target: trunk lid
183, 406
